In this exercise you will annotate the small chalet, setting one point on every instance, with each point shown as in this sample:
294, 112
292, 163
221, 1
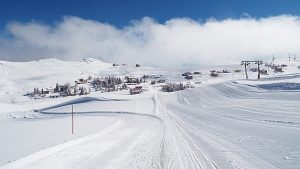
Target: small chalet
45, 91
161, 81
186, 74
278, 69
132, 80
189, 77
214, 73
81, 81
136, 90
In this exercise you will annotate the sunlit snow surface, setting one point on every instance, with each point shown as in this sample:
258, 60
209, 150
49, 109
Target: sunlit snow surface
225, 122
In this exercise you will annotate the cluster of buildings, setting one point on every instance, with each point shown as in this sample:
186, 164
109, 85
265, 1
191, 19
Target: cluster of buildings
213, 73
116, 64
275, 67
86, 86
262, 71
172, 87
108, 84
81, 87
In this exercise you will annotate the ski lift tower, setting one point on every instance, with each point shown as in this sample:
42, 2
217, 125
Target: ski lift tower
258, 68
245, 63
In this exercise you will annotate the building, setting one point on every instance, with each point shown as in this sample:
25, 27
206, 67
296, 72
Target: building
81, 81
136, 90
189, 77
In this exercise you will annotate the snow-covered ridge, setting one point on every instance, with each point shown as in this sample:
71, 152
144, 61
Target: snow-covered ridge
55, 60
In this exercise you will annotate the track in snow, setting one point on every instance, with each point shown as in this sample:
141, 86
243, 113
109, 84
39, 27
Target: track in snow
229, 125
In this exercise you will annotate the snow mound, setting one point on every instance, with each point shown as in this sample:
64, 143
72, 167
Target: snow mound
78, 101
50, 60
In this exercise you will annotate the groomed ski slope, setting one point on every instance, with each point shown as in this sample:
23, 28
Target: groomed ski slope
229, 125
225, 125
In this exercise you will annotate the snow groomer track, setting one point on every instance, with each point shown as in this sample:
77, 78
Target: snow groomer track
224, 125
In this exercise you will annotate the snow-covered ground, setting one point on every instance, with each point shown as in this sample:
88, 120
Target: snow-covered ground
224, 122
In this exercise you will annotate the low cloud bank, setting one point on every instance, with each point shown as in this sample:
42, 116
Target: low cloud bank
177, 42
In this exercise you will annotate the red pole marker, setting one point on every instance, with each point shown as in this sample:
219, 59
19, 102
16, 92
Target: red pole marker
72, 120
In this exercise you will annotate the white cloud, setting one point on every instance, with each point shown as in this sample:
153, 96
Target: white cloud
179, 41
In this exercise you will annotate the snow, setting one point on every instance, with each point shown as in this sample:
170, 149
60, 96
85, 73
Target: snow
25, 136
127, 137
237, 120
224, 122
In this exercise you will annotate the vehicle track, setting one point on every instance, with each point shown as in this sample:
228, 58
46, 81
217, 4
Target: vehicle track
181, 151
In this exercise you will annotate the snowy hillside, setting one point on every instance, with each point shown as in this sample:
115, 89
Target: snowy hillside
217, 121
20, 77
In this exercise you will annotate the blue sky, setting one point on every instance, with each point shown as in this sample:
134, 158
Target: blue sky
164, 33
121, 12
